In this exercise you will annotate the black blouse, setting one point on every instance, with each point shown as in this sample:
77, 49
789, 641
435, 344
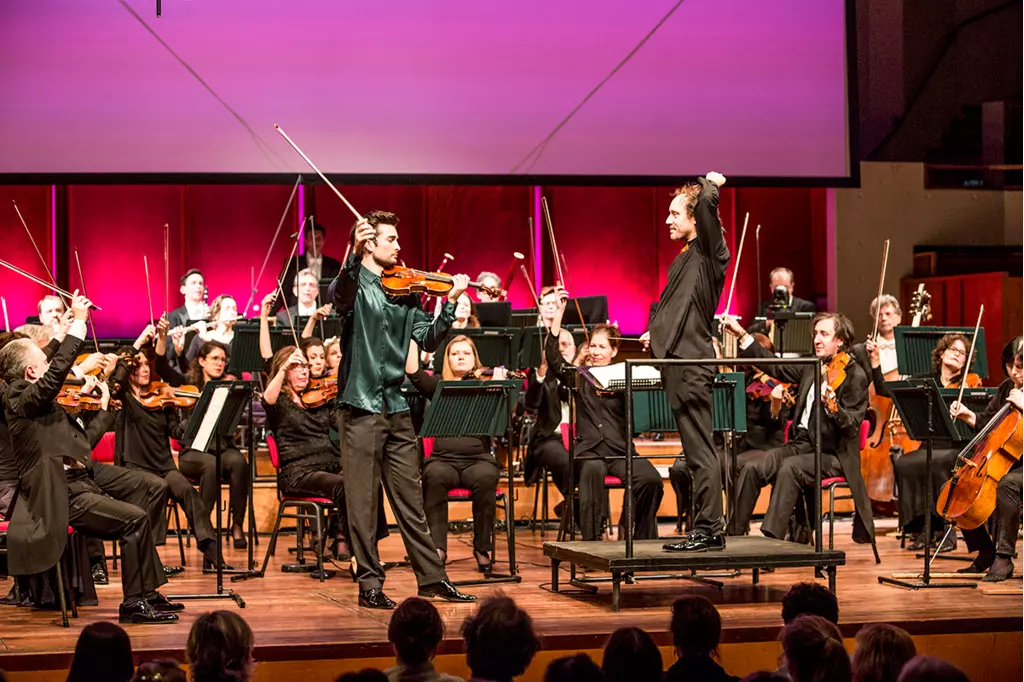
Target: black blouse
450, 447
303, 438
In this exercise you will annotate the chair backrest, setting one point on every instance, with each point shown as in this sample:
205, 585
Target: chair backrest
565, 435
275, 458
175, 446
428, 447
104, 450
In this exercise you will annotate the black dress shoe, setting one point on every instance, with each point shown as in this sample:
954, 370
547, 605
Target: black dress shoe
239, 543
918, 544
171, 571
981, 563
697, 541
375, 599
99, 573
159, 603
1001, 570
139, 611
444, 590
948, 543
209, 565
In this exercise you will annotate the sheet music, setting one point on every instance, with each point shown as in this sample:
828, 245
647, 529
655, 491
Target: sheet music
613, 377
205, 433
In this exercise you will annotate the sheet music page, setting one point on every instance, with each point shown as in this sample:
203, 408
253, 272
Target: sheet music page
617, 373
205, 432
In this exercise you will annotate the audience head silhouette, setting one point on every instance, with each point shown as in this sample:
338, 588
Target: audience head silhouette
578, 668
219, 648
160, 671
415, 631
814, 651
499, 639
103, 654
882, 651
630, 655
931, 669
812, 599
696, 627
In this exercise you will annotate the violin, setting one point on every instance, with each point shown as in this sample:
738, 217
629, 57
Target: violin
969, 497
159, 395
320, 391
972, 381
73, 399
834, 374
488, 373
399, 281
761, 387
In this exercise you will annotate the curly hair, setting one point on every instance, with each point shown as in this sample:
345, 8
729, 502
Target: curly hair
944, 344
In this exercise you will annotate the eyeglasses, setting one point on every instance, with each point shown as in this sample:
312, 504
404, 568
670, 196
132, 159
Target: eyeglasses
956, 351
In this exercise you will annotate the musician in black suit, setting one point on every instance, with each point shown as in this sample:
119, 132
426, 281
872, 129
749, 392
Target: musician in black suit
52, 454
790, 468
601, 436
307, 288
192, 286
781, 299
549, 400
322, 266
682, 328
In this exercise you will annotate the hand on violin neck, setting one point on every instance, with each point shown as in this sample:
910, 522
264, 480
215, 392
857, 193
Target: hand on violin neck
459, 285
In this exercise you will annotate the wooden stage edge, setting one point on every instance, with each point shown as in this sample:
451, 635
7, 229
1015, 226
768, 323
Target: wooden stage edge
302, 625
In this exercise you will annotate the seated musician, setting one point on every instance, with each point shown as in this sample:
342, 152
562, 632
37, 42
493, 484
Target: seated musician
601, 435
332, 347
549, 303
142, 441
309, 461
549, 400
465, 314
319, 314
887, 308
781, 298
52, 456
192, 286
50, 309
209, 365
996, 556
306, 290
790, 468
488, 279
221, 326
948, 361
458, 462
312, 259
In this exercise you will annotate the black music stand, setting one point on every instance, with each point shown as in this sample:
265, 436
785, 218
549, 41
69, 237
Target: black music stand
216, 414
594, 309
324, 329
494, 314
792, 332
245, 349
524, 318
496, 347
925, 416
479, 408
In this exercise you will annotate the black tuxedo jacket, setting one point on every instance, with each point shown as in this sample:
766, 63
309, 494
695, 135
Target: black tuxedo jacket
545, 398
42, 438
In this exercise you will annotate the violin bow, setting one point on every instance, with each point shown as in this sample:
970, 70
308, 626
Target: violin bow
32, 278
270, 249
559, 275
736, 265
46, 268
81, 278
565, 270
167, 268
288, 314
881, 285
312, 243
970, 357
149, 295
7, 323
312, 165
533, 293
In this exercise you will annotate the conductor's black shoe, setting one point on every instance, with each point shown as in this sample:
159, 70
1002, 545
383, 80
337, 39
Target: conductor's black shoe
697, 541
160, 604
139, 611
375, 599
99, 573
444, 590
171, 571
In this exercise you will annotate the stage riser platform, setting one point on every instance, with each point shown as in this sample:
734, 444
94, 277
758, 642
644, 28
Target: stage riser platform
987, 657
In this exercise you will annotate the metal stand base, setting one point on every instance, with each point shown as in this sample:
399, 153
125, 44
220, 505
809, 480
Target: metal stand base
226, 594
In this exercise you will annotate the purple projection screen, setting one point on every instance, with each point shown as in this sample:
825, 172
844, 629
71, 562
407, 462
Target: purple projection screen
754, 88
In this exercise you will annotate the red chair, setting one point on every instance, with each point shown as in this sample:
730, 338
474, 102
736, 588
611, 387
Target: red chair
315, 509
105, 452
466, 495
70, 547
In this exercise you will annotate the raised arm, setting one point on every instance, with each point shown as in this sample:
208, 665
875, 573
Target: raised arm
266, 347
274, 387
705, 214
343, 289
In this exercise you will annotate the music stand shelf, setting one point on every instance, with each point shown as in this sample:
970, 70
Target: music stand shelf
484, 409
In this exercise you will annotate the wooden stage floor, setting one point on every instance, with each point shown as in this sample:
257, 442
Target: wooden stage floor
296, 618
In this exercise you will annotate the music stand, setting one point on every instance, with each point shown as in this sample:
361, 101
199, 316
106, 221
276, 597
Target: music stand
914, 346
324, 329
479, 408
494, 313
925, 416
214, 418
977, 399
245, 350
523, 318
594, 309
792, 332
496, 347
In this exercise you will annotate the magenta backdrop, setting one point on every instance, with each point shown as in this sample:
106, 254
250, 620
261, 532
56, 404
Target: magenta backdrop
747, 87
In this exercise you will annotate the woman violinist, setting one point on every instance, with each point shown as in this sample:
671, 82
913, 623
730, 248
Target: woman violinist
996, 556
458, 462
143, 429
209, 365
948, 361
